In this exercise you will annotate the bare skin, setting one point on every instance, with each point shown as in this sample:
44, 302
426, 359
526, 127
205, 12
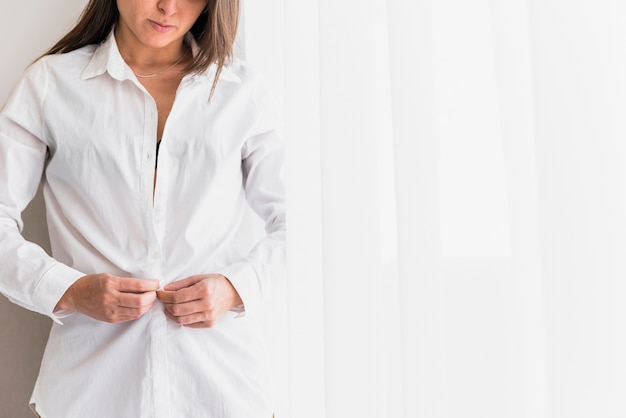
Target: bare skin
150, 36
110, 298
198, 301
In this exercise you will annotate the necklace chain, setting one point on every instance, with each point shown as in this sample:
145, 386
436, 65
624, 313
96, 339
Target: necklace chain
162, 71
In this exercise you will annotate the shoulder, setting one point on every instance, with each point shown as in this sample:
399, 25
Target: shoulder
68, 64
240, 79
241, 68
243, 72
260, 94
41, 74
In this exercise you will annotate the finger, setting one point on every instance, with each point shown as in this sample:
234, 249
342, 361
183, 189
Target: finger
196, 320
183, 283
120, 314
204, 324
166, 297
121, 318
130, 312
134, 285
114, 320
187, 308
186, 294
135, 300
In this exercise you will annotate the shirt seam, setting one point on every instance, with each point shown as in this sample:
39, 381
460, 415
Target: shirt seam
43, 276
42, 101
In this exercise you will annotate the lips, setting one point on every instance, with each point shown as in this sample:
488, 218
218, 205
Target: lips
160, 27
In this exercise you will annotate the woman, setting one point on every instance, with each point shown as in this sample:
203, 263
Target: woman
153, 307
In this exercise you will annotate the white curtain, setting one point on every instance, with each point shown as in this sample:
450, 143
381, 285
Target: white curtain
457, 206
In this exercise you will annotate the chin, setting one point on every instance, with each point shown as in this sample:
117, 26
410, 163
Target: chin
159, 42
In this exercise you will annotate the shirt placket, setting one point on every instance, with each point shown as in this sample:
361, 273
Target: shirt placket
156, 403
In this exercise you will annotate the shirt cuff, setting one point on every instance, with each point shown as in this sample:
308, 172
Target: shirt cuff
244, 279
51, 288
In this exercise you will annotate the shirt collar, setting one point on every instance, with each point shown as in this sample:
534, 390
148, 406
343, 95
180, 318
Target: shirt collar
107, 58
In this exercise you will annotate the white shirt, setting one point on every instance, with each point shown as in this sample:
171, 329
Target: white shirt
84, 121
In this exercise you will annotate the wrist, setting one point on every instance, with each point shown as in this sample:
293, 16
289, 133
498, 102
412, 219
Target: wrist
66, 302
235, 298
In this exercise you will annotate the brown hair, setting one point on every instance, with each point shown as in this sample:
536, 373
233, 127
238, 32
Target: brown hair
214, 32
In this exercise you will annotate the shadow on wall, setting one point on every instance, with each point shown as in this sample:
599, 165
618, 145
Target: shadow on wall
23, 333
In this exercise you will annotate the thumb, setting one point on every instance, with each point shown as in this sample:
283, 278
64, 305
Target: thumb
182, 284
133, 285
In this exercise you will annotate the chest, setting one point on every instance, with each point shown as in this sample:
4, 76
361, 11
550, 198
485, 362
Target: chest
116, 134
163, 92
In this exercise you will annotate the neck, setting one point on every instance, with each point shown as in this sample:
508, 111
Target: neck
145, 59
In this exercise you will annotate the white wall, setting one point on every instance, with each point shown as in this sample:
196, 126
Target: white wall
29, 27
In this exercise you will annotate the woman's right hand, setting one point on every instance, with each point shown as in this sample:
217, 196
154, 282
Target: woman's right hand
110, 298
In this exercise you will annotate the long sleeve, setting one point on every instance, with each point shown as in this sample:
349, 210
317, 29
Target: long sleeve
82, 125
263, 157
29, 277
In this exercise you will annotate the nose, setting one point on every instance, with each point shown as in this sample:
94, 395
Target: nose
168, 7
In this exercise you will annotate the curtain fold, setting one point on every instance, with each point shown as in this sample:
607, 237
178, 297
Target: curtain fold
456, 194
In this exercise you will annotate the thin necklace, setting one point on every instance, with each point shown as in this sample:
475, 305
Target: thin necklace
163, 71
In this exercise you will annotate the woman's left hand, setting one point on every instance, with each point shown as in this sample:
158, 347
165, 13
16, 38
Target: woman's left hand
199, 301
